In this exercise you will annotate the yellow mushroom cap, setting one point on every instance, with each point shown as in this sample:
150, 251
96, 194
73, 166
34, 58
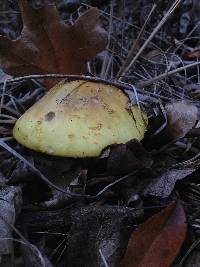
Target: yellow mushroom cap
79, 119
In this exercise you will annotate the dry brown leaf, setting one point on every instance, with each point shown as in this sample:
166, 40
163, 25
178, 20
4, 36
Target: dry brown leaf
181, 118
154, 55
124, 158
47, 45
193, 54
157, 241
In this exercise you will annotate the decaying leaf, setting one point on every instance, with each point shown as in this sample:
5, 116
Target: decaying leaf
194, 54
91, 228
175, 122
181, 118
10, 206
47, 45
157, 241
163, 185
105, 228
124, 158
154, 55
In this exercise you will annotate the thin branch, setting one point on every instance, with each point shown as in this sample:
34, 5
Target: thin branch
105, 61
121, 85
7, 138
121, 179
3, 94
8, 121
103, 258
164, 75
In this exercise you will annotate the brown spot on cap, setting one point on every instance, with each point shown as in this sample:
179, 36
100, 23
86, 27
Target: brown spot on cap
49, 116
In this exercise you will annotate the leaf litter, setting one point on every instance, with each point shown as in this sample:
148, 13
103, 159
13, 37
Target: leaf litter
157, 241
125, 172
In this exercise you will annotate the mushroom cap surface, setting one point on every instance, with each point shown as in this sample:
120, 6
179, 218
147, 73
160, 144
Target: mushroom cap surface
79, 119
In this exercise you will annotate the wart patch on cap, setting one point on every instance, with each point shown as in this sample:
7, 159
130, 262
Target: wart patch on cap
49, 116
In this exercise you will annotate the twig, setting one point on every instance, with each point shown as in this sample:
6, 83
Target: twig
3, 93
105, 61
35, 76
187, 163
121, 179
121, 85
7, 116
162, 76
11, 110
192, 247
8, 121
7, 138
103, 258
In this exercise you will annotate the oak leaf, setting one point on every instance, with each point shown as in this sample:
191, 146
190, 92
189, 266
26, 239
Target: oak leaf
47, 45
157, 241
178, 120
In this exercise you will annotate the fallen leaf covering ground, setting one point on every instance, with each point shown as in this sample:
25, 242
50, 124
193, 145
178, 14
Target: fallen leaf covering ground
157, 246
137, 204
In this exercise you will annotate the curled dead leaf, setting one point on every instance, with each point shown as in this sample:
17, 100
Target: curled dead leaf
47, 45
194, 54
181, 116
157, 241
124, 158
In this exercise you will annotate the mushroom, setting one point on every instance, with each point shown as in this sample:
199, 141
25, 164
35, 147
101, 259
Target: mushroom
79, 119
